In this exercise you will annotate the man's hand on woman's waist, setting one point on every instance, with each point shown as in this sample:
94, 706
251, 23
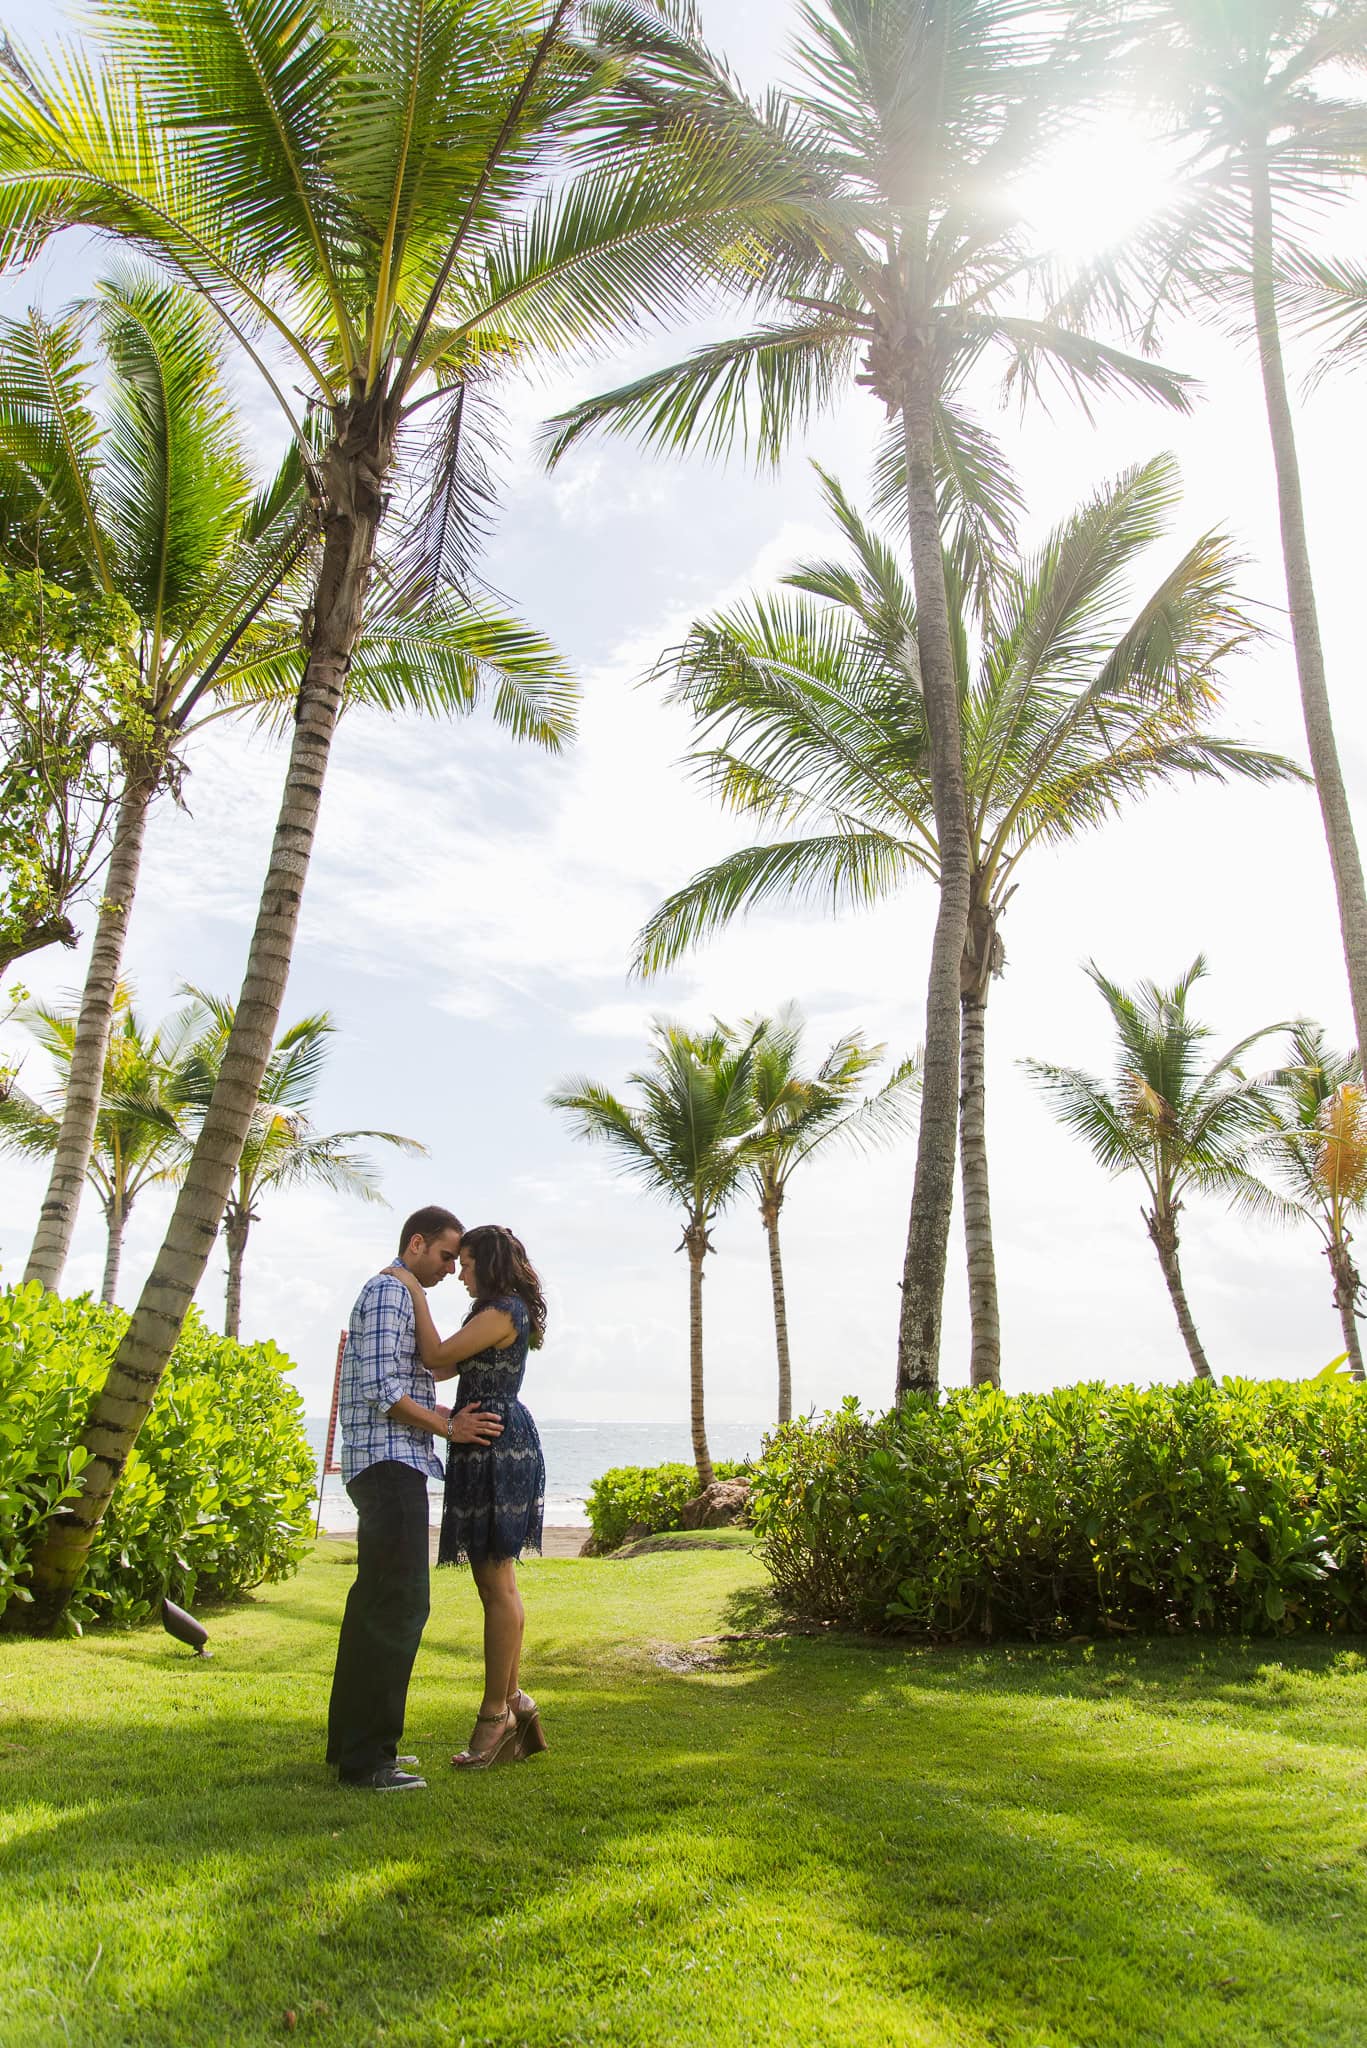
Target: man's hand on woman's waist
469, 1425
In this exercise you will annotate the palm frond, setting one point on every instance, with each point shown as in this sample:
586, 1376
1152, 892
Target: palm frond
315, 1160
27, 1130
448, 653
49, 453
173, 479
1084, 1107
262, 177
597, 1115
1080, 365
453, 513
758, 390
840, 868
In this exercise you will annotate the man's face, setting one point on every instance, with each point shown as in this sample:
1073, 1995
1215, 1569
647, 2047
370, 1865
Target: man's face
430, 1259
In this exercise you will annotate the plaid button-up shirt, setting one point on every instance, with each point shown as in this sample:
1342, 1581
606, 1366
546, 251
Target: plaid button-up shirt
379, 1367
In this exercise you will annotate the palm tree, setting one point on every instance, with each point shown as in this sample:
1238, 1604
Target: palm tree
1077, 704
282, 1149
915, 122
365, 195
147, 503
142, 1132
688, 1141
1180, 1126
1317, 1152
796, 1114
1252, 89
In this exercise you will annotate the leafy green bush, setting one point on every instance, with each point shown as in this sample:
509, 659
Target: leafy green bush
1238, 1507
653, 1496
216, 1494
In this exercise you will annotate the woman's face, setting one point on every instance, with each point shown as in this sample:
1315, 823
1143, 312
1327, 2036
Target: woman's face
467, 1273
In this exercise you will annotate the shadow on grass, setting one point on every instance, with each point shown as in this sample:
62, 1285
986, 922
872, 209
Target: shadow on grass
820, 1842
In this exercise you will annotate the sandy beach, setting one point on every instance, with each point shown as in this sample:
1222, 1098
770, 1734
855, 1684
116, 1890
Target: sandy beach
555, 1542
562, 1541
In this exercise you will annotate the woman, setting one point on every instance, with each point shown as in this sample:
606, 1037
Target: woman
495, 1493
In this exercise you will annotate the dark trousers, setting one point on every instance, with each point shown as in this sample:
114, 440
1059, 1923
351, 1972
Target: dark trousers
385, 1614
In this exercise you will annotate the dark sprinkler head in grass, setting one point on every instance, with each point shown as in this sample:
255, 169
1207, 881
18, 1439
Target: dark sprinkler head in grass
492, 1263
429, 1244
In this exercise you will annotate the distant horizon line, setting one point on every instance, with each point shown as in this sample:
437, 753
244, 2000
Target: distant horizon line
626, 1422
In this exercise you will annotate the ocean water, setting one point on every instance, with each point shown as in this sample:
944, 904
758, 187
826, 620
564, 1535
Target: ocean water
576, 1453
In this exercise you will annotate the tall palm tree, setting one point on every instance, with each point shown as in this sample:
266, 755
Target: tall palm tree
370, 195
687, 1141
155, 508
1181, 1126
1252, 89
1317, 1155
282, 1149
126, 473
142, 1134
796, 1113
1076, 704
914, 122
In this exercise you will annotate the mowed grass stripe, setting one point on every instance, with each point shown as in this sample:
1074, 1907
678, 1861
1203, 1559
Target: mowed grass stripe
800, 1840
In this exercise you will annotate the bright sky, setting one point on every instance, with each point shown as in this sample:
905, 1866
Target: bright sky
472, 907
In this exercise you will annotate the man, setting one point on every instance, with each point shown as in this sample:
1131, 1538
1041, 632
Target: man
389, 1414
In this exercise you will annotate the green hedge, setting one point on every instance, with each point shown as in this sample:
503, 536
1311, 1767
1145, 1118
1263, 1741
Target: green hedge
1238, 1507
216, 1495
652, 1495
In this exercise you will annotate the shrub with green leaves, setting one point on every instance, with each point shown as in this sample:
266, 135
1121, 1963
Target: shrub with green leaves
651, 1496
216, 1496
1238, 1507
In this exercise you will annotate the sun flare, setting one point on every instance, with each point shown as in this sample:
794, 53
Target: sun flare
1095, 189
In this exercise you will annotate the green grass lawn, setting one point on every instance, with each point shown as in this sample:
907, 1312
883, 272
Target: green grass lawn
803, 1840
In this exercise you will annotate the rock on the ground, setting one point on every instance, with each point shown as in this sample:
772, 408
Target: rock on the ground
718, 1506
594, 1547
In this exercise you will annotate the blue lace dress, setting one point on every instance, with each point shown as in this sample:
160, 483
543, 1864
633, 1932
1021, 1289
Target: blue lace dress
495, 1493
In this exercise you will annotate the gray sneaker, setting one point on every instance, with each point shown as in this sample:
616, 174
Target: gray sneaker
387, 1778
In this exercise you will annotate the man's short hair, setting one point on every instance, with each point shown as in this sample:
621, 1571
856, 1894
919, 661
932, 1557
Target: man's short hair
428, 1223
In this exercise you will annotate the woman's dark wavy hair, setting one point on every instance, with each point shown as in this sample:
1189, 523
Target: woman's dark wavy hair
502, 1267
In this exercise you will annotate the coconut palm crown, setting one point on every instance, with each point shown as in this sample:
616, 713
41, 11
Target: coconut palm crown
687, 1140
143, 1133
800, 1112
1183, 1126
1316, 1155
283, 1149
1075, 700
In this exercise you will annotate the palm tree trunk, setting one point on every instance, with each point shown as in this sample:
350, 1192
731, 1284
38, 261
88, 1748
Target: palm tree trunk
355, 468
1162, 1228
695, 1242
932, 1200
85, 1076
117, 1217
1344, 857
235, 1229
769, 1212
1347, 1290
985, 1364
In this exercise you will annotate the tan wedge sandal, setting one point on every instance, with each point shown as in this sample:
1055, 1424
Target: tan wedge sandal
501, 1750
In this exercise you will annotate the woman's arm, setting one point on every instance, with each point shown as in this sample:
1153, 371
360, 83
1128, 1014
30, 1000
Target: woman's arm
443, 1356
